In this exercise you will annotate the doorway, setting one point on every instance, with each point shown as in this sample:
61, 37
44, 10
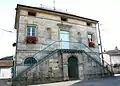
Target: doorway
73, 68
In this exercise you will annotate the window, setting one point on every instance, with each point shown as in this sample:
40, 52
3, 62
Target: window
88, 24
31, 30
32, 13
90, 38
30, 61
31, 35
63, 19
90, 41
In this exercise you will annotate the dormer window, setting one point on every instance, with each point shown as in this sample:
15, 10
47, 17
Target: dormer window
63, 19
31, 13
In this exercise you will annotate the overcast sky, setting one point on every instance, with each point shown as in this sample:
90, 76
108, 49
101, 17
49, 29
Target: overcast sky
105, 11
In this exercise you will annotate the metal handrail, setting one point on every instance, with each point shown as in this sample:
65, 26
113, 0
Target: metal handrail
73, 42
41, 60
40, 51
79, 48
45, 48
96, 61
34, 56
99, 57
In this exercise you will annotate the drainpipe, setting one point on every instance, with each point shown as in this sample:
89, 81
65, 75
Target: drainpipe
101, 46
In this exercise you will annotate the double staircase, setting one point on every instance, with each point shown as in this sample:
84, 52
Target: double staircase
24, 73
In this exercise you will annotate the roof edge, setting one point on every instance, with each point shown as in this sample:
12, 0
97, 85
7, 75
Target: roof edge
92, 20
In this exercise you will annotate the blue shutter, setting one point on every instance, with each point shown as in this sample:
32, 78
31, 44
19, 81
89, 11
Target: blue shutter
28, 30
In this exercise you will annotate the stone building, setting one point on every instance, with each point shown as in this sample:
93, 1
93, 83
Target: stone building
55, 46
6, 63
114, 59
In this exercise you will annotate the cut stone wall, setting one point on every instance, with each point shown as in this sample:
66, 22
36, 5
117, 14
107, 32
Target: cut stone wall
44, 21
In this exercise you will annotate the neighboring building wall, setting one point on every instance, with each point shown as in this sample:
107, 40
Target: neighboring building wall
5, 73
115, 59
44, 21
107, 58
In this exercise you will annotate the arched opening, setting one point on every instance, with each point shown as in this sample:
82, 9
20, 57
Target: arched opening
73, 68
30, 61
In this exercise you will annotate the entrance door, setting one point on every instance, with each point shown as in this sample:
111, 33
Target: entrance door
64, 38
73, 68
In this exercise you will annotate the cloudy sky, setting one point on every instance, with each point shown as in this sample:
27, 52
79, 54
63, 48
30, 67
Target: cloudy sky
105, 11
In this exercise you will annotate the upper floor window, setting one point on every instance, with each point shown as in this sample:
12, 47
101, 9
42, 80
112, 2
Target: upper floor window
63, 19
31, 37
89, 24
31, 30
90, 38
31, 13
91, 43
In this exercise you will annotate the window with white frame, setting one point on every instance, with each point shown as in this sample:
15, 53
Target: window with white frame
90, 38
31, 30
91, 42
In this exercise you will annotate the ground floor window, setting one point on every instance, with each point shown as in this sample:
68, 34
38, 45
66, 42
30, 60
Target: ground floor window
30, 61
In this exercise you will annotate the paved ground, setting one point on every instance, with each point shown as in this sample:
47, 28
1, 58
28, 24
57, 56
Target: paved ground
3, 82
111, 81
66, 83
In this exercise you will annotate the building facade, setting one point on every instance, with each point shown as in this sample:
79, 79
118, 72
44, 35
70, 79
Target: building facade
6, 63
114, 56
55, 45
